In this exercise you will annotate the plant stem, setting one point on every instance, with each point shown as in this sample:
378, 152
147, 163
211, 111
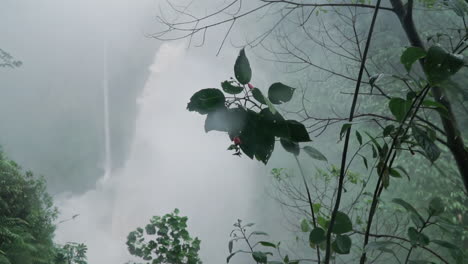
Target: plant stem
348, 132
314, 221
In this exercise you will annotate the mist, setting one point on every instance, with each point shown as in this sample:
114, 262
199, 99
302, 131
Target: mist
172, 164
112, 135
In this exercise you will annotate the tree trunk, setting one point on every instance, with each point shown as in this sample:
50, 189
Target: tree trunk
454, 138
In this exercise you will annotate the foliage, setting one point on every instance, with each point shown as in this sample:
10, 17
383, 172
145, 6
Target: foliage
6, 60
256, 246
438, 65
165, 240
250, 119
26, 216
71, 253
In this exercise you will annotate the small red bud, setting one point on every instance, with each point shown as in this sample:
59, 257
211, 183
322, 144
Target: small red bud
250, 86
237, 140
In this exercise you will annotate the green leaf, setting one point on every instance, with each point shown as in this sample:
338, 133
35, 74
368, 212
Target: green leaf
317, 235
426, 143
267, 244
342, 224
446, 244
440, 108
316, 207
242, 69
260, 257
342, 244
420, 262
258, 95
290, 146
379, 245
404, 171
410, 56
258, 233
399, 108
417, 219
304, 226
270, 105
343, 130
388, 130
365, 162
322, 222
279, 93
314, 153
231, 242
206, 100
297, 131
265, 144
394, 173
440, 65
416, 238
359, 137
436, 206
231, 89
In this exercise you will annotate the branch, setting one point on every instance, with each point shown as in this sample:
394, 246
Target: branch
348, 132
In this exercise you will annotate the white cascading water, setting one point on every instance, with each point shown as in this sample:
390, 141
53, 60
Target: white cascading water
107, 136
172, 163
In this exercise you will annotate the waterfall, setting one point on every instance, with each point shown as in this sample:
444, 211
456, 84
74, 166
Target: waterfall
172, 163
107, 146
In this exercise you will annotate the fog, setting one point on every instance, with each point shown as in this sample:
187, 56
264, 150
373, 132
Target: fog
51, 108
157, 156
172, 164
102, 115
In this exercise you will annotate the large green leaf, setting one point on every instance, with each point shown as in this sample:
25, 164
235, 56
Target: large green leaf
254, 133
297, 131
411, 55
439, 64
342, 244
290, 146
248, 135
426, 143
260, 257
265, 145
314, 153
317, 236
242, 69
229, 88
399, 107
280, 93
206, 100
416, 238
342, 224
